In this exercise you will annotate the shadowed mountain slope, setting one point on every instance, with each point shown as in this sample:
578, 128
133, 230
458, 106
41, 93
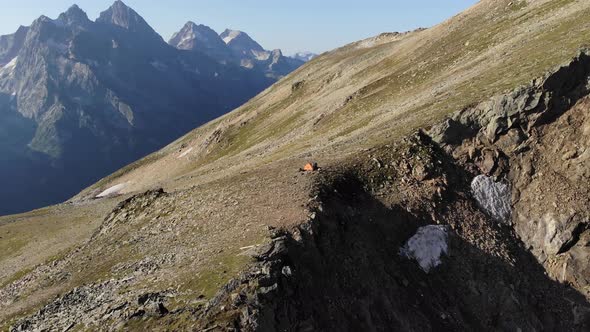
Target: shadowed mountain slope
79, 99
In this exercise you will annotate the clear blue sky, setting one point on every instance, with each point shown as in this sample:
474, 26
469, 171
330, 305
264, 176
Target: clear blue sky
314, 25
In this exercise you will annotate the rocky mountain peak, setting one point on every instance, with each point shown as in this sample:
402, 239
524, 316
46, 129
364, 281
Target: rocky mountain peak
194, 36
43, 23
240, 41
192, 25
304, 56
10, 45
119, 14
41, 19
74, 15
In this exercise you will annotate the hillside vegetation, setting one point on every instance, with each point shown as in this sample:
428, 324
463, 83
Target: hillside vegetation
227, 201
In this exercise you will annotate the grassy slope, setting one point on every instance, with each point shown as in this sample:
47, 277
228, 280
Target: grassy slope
29, 239
395, 87
357, 96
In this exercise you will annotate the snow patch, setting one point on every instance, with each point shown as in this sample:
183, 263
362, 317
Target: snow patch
9, 67
11, 64
427, 246
187, 39
304, 56
231, 36
185, 153
261, 56
114, 190
493, 197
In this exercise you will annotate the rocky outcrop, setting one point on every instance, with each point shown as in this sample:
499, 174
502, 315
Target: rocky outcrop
536, 138
509, 188
523, 109
130, 207
10, 45
99, 306
341, 270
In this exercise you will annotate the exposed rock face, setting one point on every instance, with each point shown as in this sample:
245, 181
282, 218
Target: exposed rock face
525, 108
341, 277
124, 17
494, 197
344, 272
90, 305
536, 139
74, 16
241, 43
111, 91
201, 38
235, 47
11, 44
304, 56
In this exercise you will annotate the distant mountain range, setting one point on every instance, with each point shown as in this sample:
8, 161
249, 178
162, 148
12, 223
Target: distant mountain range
81, 98
234, 47
304, 56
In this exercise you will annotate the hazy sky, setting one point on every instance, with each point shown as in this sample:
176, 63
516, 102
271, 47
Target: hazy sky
314, 25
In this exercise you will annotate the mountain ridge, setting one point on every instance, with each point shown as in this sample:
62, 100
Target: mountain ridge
233, 46
119, 14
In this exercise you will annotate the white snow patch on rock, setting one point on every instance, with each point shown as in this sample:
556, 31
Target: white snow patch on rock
189, 37
493, 197
185, 153
114, 190
231, 36
261, 56
427, 246
9, 67
12, 63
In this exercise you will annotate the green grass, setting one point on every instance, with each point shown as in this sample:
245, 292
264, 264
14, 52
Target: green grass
239, 138
218, 272
18, 275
